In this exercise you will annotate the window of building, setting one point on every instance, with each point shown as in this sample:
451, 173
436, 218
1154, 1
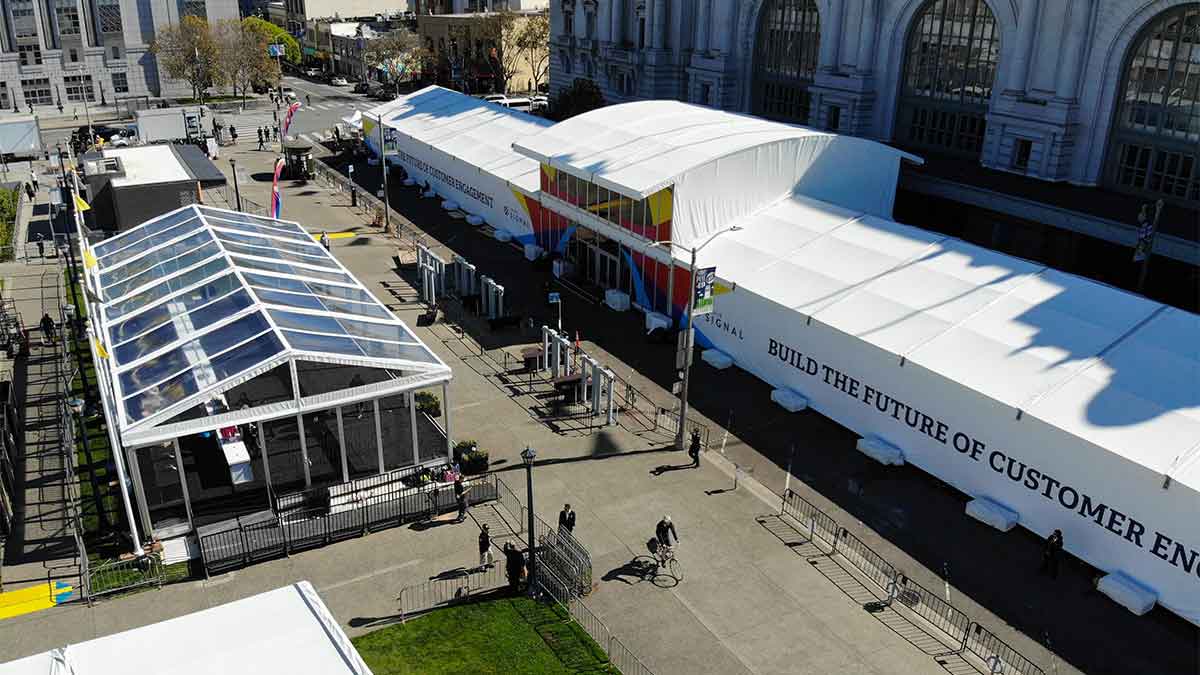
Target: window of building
641, 32
5, 100
31, 55
73, 55
67, 15
79, 87
37, 91
565, 59
1153, 148
949, 68
706, 93
568, 23
23, 19
120, 83
1022, 149
785, 59
116, 51
108, 16
590, 18
193, 8
833, 118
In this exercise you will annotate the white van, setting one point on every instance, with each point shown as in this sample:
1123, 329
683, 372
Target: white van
522, 104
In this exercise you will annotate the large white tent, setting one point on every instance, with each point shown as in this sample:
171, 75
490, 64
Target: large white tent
287, 631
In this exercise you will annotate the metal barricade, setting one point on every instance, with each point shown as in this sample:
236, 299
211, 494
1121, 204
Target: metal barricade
930, 606
817, 522
123, 575
879, 571
440, 591
997, 655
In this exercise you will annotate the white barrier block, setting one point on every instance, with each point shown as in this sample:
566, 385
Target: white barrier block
450, 205
789, 400
618, 300
716, 358
881, 451
503, 235
475, 220
1127, 592
532, 252
409, 182
429, 194
993, 513
656, 320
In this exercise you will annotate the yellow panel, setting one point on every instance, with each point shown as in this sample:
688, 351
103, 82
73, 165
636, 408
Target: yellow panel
661, 203
550, 171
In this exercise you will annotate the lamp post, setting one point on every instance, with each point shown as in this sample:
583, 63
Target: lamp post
237, 193
387, 207
527, 456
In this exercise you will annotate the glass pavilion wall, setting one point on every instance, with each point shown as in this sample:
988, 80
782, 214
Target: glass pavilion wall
237, 358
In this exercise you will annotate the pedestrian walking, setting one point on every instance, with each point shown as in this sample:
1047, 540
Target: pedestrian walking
460, 494
34, 179
76, 114
275, 115
47, 325
260, 140
694, 448
566, 519
485, 548
325, 240
275, 132
1050, 554
233, 133
514, 567
29, 191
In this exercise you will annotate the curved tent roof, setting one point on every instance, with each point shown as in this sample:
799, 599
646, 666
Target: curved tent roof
641, 147
200, 300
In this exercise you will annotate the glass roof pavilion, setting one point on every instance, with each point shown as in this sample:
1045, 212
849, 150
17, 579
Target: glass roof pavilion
191, 306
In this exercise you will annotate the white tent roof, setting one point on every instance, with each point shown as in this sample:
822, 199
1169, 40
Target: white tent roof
199, 300
287, 631
470, 129
1115, 369
641, 147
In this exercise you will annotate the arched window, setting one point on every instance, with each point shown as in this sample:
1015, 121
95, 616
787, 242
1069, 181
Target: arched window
949, 67
785, 59
1153, 149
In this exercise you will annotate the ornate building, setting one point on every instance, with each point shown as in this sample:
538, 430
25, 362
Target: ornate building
1046, 125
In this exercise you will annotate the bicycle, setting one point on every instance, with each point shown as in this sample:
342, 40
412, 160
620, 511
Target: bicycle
665, 555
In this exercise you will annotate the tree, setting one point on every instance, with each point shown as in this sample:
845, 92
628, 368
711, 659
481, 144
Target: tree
399, 53
500, 32
187, 51
533, 42
275, 36
242, 47
583, 95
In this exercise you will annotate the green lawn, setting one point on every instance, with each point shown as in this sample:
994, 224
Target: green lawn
509, 635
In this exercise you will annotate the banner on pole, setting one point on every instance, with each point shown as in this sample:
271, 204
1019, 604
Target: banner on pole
702, 294
287, 119
276, 197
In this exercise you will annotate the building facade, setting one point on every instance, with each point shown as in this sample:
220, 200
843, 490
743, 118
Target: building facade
68, 52
467, 55
1045, 124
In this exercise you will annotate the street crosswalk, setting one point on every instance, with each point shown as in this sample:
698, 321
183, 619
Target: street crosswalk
312, 122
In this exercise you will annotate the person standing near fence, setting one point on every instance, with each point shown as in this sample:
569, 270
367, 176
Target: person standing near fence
260, 140
460, 494
34, 179
514, 567
694, 448
485, 547
47, 324
566, 519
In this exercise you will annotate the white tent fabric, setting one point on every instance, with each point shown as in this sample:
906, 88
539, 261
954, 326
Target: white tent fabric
723, 165
354, 120
198, 300
1041, 390
287, 631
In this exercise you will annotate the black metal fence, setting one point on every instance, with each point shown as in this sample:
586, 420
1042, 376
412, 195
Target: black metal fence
249, 539
952, 625
556, 548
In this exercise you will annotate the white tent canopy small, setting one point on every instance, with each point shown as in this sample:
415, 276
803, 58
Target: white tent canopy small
287, 631
354, 120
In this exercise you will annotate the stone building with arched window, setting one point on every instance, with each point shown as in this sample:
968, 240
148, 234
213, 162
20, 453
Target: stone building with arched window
1046, 125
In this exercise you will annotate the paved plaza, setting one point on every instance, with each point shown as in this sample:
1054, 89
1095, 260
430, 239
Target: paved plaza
756, 595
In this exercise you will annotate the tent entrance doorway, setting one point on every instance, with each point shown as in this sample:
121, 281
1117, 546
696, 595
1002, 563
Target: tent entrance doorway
165, 508
598, 260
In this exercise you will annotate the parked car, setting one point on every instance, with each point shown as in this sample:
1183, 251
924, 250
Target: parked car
261, 87
518, 103
494, 98
312, 72
539, 103
289, 94
339, 82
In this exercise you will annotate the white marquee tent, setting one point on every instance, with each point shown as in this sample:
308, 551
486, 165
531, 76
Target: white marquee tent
287, 631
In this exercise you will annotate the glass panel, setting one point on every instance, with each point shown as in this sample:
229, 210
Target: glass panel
164, 269
162, 312
139, 233
378, 331
392, 350
272, 386
289, 299
139, 265
323, 378
278, 254
306, 322
395, 423
431, 442
187, 355
343, 292
261, 229
276, 282
282, 438
272, 242
155, 339
143, 245
359, 308
210, 487
162, 290
161, 396
322, 343
324, 450
246, 356
283, 268
358, 435
164, 491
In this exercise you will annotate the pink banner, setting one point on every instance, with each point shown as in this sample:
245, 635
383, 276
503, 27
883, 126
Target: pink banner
276, 197
287, 119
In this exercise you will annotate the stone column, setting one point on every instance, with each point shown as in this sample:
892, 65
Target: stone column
867, 35
658, 24
1018, 72
831, 36
1067, 83
702, 30
617, 22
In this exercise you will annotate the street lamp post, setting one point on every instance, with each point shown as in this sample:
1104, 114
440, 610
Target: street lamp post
527, 456
237, 193
387, 207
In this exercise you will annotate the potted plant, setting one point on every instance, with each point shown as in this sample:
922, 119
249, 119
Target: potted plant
429, 404
475, 462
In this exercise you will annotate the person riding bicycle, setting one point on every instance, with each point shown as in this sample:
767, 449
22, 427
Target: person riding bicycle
663, 532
